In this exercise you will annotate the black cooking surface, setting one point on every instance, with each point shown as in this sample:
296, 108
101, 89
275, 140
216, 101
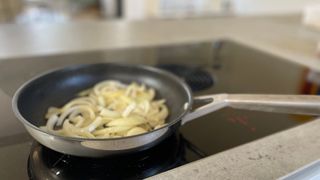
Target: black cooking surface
234, 69
197, 78
48, 164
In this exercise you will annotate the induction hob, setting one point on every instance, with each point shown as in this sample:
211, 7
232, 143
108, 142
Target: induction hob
221, 67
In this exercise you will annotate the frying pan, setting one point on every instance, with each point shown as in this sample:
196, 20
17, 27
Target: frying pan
55, 88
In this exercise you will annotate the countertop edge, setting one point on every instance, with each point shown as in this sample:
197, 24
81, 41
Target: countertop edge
270, 157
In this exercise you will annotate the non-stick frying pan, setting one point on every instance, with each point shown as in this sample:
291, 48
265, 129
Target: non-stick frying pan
55, 88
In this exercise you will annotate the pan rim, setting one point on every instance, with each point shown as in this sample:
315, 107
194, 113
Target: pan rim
70, 67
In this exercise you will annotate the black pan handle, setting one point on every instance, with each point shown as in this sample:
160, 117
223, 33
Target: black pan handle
290, 104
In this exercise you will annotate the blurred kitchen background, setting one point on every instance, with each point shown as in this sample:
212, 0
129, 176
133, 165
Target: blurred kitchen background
26, 11
216, 46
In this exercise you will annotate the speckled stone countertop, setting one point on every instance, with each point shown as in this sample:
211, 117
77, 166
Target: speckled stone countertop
267, 158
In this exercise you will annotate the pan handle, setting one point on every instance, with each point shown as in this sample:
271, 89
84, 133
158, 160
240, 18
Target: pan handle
291, 104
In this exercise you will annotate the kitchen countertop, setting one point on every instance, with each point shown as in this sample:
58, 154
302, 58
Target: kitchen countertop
267, 158
281, 36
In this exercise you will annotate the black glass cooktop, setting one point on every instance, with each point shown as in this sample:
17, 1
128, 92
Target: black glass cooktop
175, 151
208, 68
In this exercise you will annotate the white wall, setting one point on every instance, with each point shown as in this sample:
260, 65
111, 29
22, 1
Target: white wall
251, 7
144, 9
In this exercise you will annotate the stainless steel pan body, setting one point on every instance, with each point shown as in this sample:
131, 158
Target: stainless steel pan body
55, 88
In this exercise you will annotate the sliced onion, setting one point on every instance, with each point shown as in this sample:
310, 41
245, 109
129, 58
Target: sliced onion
109, 109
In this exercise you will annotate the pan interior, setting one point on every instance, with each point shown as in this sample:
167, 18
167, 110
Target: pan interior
58, 87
